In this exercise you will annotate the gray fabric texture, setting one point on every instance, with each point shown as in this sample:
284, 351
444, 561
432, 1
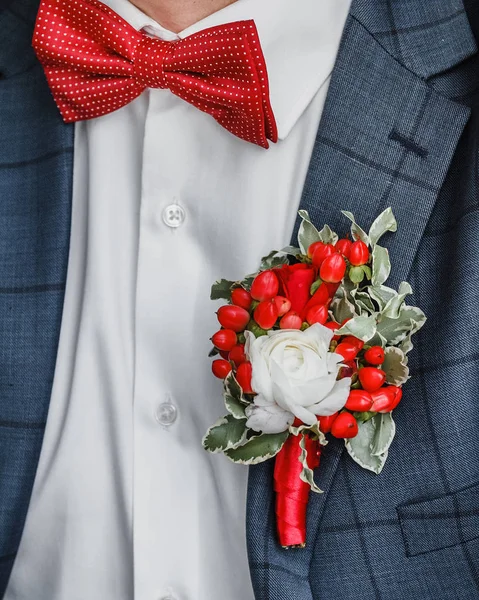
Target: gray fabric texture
400, 128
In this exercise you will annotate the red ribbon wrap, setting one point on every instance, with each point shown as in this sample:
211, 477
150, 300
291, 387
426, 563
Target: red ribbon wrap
292, 494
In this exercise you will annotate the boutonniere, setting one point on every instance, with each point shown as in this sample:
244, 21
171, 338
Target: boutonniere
312, 344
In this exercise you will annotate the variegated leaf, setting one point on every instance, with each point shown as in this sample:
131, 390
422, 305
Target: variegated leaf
342, 308
393, 307
328, 236
234, 399
385, 222
370, 447
258, 449
308, 234
381, 265
221, 290
395, 366
356, 231
225, 434
307, 474
363, 327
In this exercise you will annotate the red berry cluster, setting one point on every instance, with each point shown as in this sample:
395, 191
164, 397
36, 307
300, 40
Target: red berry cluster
332, 261
369, 393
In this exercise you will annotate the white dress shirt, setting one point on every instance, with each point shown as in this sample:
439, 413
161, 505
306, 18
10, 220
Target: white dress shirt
126, 503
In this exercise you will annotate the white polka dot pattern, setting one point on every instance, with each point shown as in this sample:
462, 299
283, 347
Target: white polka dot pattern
95, 63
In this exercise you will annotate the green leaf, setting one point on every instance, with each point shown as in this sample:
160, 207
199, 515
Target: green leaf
415, 315
367, 270
363, 327
234, 399
226, 433
406, 345
356, 274
356, 231
393, 330
395, 366
213, 352
247, 281
308, 234
291, 250
392, 309
273, 260
381, 294
307, 474
342, 308
221, 290
258, 449
385, 222
327, 235
370, 447
381, 265
363, 301
384, 435
409, 320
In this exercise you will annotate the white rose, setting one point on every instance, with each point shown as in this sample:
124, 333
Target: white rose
294, 375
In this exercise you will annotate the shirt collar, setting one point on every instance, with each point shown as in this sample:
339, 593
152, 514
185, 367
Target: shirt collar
299, 43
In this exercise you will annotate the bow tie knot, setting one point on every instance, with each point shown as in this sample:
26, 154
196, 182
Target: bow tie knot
149, 62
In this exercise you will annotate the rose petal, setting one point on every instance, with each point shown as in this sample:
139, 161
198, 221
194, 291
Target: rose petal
270, 419
334, 401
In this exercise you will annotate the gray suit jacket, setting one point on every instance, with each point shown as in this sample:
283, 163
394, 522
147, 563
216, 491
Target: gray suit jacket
400, 128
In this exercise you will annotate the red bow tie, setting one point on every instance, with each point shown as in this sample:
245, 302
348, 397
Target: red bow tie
95, 63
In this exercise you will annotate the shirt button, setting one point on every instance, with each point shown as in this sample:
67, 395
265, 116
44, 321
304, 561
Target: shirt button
174, 215
166, 413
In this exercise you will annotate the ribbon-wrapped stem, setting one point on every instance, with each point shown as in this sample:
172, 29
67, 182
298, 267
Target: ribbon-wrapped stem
292, 493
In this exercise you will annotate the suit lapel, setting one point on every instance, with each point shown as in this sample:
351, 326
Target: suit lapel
386, 138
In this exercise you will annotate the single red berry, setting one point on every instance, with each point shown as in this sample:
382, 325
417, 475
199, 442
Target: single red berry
317, 314
354, 341
374, 355
241, 297
283, 305
333, 268
359, 401
237, 354
359, 253
243, 377
397, 396
291, 320
344, 247
372, 378
266, 314
233, 317
325, 423
321, 252
224, 339
312, 247
221, 368
344, 426
347, 351
265, 286
386, 399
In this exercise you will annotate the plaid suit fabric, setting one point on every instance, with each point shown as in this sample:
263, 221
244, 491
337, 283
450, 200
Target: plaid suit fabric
35, 196
400, 128
413, 531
